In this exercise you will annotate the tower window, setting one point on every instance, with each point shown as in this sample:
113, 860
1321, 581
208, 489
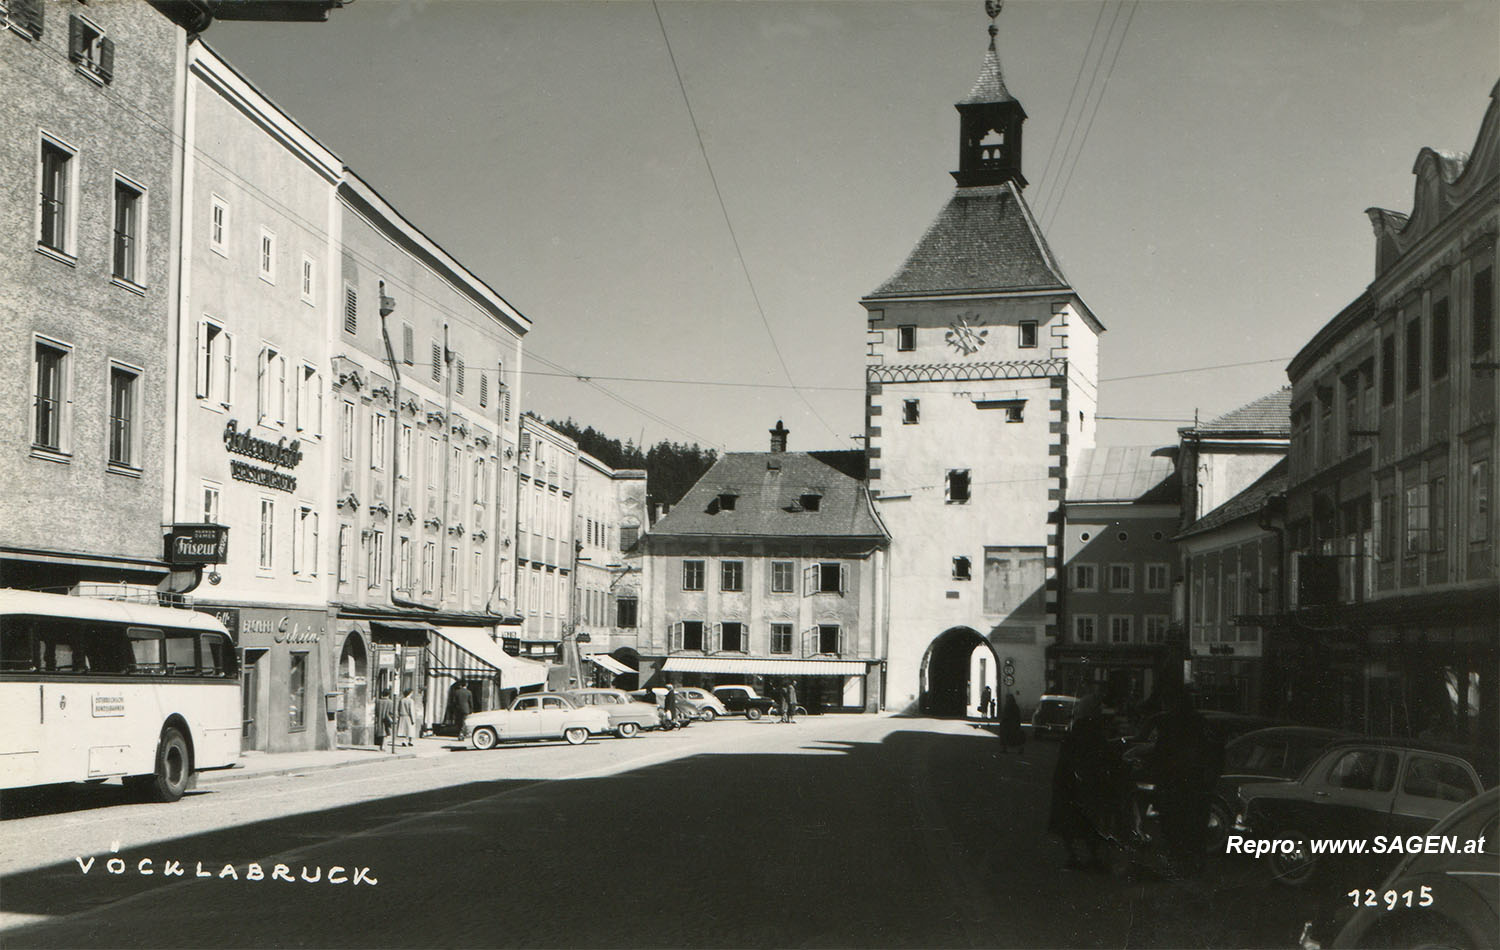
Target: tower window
958, 486
906, 338
961, 569
911, 412
1028, 334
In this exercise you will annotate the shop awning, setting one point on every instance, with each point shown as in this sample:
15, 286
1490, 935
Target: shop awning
475, 645
605, 661
400, 632
762, 666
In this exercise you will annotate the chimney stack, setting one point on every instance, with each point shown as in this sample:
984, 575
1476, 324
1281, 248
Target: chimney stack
778, 437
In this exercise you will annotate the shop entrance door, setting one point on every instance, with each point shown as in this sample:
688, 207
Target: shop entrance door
249, 689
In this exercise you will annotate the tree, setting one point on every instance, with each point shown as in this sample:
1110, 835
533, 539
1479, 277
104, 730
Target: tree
671, 467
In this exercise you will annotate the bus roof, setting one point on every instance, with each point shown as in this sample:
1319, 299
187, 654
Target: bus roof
34, 603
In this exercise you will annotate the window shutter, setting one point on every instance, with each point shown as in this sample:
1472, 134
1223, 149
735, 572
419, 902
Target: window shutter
28, 13
674, 638
839, 642
459, 376
507, 405
714, 639
262, 384
843, 579
75, 38
204, 369
484, 389
437, 362
351, 309
106, 59
280, 382
809, 580
231, 364
408, 344
810, 641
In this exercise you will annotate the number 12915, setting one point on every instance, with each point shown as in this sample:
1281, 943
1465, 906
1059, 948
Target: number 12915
1391, 899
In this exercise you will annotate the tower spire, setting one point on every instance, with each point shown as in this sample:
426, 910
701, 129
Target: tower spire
992, 7
990, 122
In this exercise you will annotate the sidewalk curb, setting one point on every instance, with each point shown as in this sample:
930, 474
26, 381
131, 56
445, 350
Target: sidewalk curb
238, 774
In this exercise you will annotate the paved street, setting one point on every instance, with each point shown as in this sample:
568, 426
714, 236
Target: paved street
838, 831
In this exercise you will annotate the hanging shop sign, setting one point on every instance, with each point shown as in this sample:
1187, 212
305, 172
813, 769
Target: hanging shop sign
279, 454
197, 544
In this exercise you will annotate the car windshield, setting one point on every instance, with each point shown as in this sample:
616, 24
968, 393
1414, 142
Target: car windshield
1053, 710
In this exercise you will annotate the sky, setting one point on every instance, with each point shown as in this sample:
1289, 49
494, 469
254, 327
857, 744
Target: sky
1201, 170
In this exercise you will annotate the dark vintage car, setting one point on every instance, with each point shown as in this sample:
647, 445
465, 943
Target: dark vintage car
1447, 899
1358, 789
1280, 753
1053, 715
744, 701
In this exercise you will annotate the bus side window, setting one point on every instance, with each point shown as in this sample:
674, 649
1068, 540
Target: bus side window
218, 656
182, 652
103, 648
145, 645
18, 652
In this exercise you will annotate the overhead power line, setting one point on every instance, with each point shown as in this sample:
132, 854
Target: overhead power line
1195, 369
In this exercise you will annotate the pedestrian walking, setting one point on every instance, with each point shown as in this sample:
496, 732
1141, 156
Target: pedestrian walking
781, 702
1084, 783
460, 705
791, 701
1184, 765
406, 718
671, 705
986, 695
1010, 726
385, 719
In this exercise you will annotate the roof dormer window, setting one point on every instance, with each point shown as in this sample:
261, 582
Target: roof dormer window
810, 501
727, 500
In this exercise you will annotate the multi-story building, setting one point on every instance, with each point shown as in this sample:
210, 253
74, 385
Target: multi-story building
771, 569
87, 251
981, 374
425, 358
609, 514
1120, 514
547, 473
1389, 510
254, 452
1218, 459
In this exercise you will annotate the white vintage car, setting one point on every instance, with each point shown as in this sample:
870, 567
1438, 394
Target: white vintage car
535, 716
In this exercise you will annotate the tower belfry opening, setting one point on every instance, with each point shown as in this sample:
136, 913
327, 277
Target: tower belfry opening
990, 118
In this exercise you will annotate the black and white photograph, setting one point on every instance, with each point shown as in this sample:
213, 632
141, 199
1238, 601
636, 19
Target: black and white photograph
443, 441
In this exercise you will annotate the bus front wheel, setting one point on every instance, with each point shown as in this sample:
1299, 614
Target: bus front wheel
173, 769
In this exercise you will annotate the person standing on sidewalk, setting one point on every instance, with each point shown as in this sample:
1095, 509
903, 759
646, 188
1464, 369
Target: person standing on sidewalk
385, 719
406, 718
985, 696
791, 701
460, 704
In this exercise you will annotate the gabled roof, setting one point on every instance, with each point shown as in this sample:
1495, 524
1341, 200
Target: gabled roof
985, 240
1124, 473
767, 489
1247, 504
1270, 415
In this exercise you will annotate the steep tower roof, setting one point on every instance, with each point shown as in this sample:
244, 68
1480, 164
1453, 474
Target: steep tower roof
990, 84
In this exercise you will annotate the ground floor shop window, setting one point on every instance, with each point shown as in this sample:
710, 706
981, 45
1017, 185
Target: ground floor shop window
297, 692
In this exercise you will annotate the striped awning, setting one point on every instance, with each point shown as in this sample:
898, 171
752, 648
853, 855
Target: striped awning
763, 666
605, 661
471, 650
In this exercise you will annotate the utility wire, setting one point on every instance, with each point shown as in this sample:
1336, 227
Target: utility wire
1196, 369
729, 224
1082, 65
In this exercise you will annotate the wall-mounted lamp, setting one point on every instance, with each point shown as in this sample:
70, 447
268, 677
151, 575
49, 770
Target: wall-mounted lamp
387, 304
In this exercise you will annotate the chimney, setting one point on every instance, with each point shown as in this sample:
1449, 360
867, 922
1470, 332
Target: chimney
778, 437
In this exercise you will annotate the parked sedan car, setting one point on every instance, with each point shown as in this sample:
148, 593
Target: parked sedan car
709, 706
1357, 789
1053, 715
739, 699
1454, 898
627, 716
1279, 753
535, 716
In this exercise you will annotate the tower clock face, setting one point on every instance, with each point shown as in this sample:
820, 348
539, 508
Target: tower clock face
966, 333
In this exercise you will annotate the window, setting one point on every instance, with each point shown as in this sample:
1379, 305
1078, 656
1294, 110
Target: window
351, 309
403, 563
958, 486
1156, 578
379, 424
1437, 778
1016, 412
732, 637
781, 638
434, 452
1120, 628
267, 534
961, 569
732, 575
429, 567
343, 555
57, 170
626, 612
1121, 578
309, 280
271, 386
629, 534
1416, 518
1440, 339
1156, 628
1437, 515
692, 635
218, 225
911, 412
215, 363
210, 503
129, 257
810, 501
347, 431
1085, 577
1085, 629
90, 49
305, 542
374, 557
52, 382
267, 256
1388, 370
476, 574
1028, 334
297, 693
124, 388
1386, 530
829, 577
1482, 334
309, 401
1364, 770
783, 577
1413, 355
830, 639
906, 338
25, 17
408, 344
480, 486
727, 500
1479, 500
692, 575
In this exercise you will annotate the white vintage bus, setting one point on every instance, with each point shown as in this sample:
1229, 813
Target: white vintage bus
95, 688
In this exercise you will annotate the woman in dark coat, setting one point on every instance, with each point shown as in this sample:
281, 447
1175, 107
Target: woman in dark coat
1010, 726
1082, 788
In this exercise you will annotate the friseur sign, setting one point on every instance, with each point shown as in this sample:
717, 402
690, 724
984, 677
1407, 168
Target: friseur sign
198, 544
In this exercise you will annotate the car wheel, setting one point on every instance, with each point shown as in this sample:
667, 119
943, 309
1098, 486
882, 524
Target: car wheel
627, 730
484, 738
173, 769
577, 735
752, 714
1219, 823
707, 715
1297, 868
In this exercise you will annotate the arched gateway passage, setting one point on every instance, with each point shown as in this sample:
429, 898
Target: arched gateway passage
353, 680
955, 670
